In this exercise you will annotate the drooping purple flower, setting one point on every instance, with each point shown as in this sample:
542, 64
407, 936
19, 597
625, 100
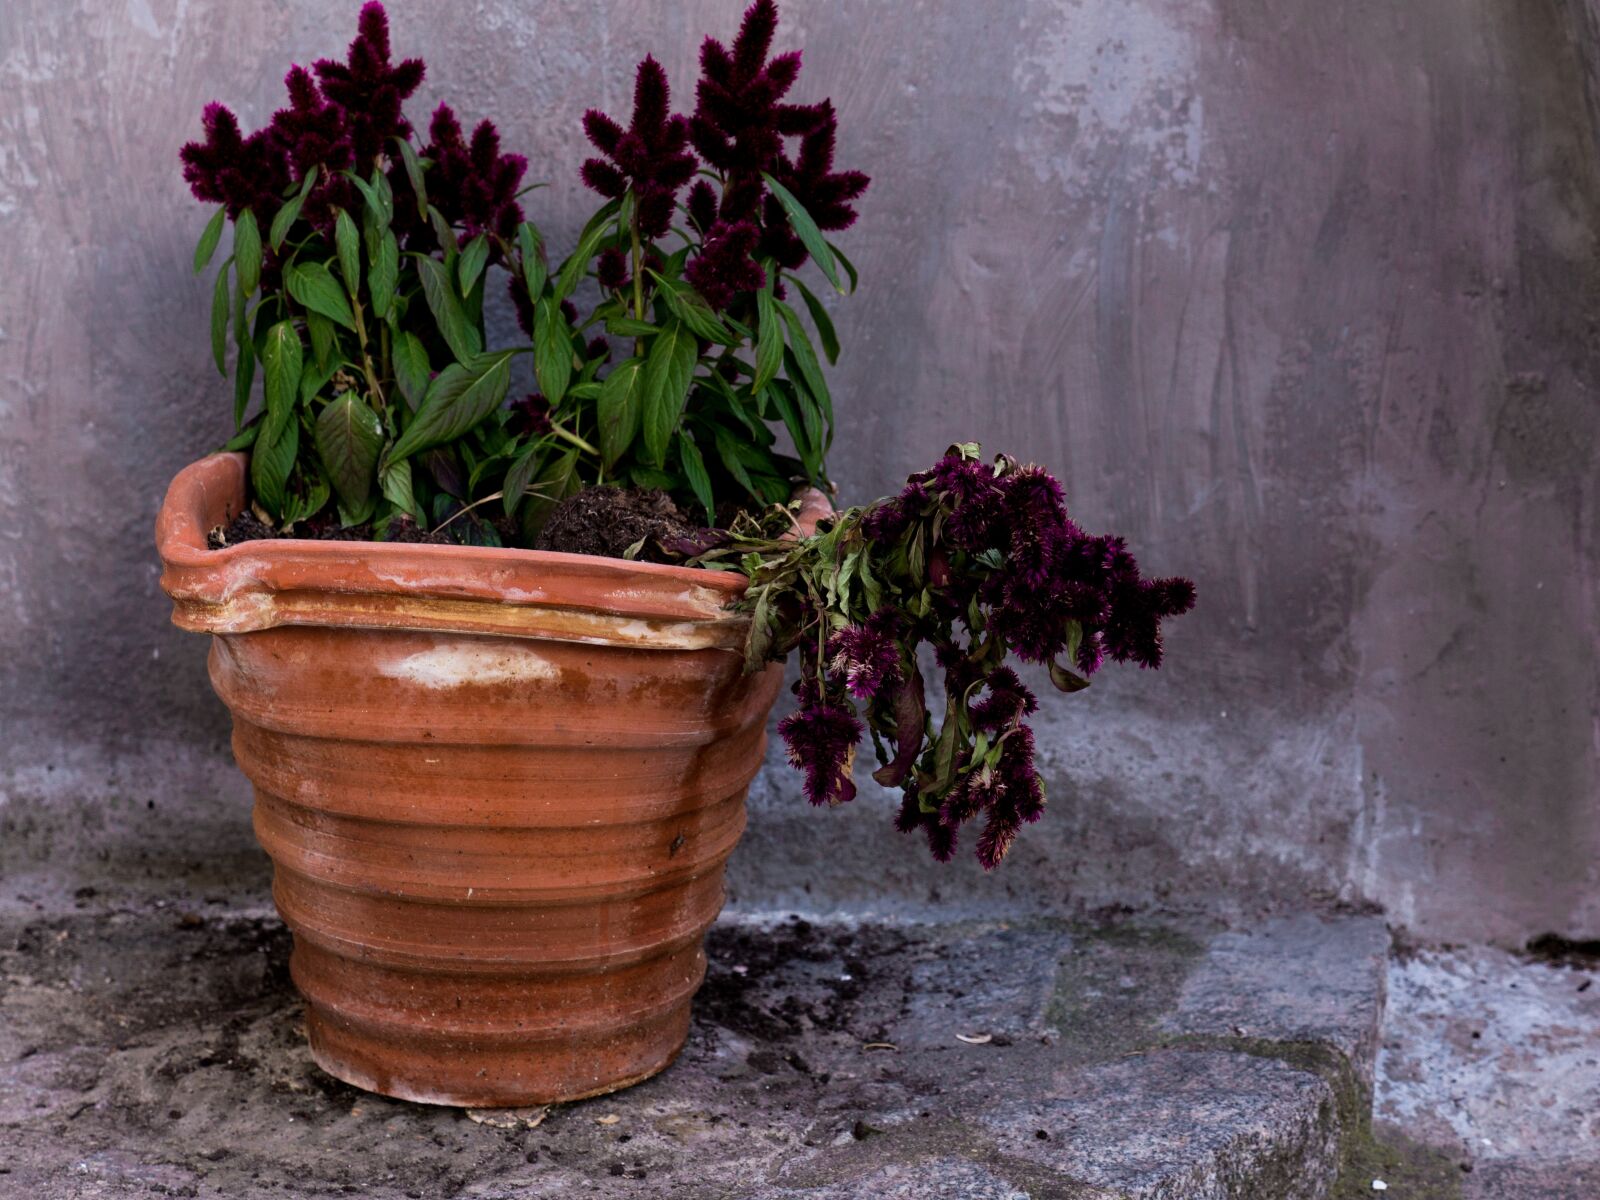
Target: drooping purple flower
999, 831
650, 157
1133, 632
235, 171
369, 88
1005, 702
821, 737
941, 838
471, 183
866, 657
976, 499
885, 521
724, 269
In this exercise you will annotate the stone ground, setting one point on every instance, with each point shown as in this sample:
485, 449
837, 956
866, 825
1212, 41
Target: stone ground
158, 1052
1495, 1060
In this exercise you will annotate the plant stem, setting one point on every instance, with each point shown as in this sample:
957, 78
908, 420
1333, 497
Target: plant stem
573, 438
638, 283
366, 355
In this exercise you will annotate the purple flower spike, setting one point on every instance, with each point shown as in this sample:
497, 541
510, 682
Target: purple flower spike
866, 657
235, 171
821, 738
724, 267
471, 183
650, 157
369, 89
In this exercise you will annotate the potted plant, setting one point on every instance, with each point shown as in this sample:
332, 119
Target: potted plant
499, 778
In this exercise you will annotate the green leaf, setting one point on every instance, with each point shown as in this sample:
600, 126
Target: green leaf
207, 245
849, 267
379, 209
414, 173
617, 410
552, 350
588, 245
459, 334
534, 269
247, 252
769, 344
286, 216
323, 338
694, 470
271, 460
349, 244
316, 376
821, 319
806, 230
732, 461
457, 400
1067, 681
518, 478
395, 481
666, 387
274, 453
245, 438
805, 357
445, 234
799, 430
282, 358
473, 260
385, 274
944, 755
688, 306
244, 376
628, 327
758, 647
412, 370
220, 312
349, 437
314, 287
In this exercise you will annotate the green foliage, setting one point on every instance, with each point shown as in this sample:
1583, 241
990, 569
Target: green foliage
365, 387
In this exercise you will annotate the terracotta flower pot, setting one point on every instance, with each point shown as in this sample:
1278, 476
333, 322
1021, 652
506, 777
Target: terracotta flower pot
498, 788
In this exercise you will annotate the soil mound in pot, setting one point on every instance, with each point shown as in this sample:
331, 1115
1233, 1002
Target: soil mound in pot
247, 527
608, 520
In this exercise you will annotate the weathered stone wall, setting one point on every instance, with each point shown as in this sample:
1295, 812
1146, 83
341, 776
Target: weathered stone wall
1300, 295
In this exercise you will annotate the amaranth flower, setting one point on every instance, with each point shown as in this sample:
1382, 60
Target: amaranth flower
649, 157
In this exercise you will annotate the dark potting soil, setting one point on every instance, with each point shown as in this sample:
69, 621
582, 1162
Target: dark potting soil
603, 521
608, 520
247, 527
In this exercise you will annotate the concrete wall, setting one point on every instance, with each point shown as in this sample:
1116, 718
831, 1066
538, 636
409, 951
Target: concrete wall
1301, 295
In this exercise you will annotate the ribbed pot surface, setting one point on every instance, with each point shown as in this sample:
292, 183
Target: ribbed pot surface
498, 789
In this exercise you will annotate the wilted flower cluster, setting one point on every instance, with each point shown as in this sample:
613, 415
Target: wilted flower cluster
979, 562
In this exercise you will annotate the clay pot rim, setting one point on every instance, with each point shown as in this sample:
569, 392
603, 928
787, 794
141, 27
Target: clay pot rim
469, 589
180, 546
